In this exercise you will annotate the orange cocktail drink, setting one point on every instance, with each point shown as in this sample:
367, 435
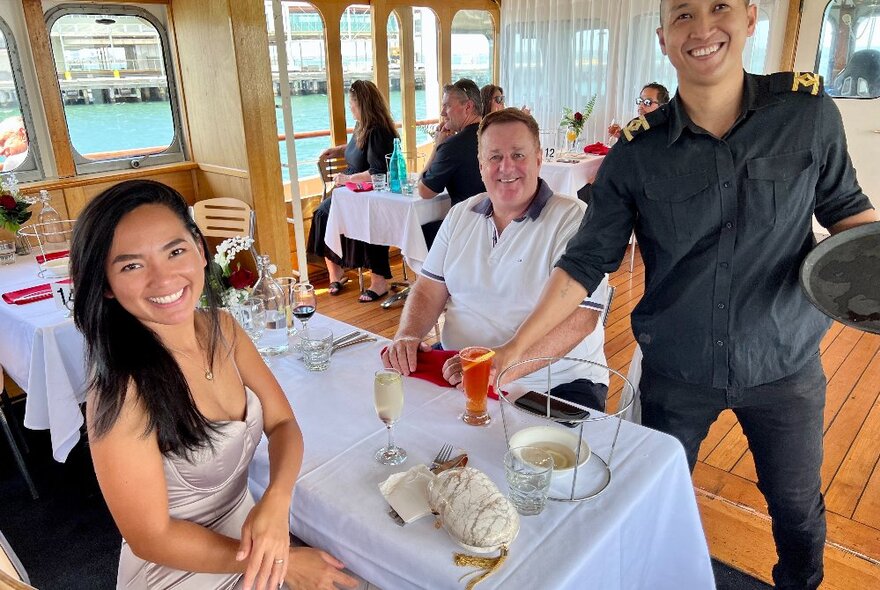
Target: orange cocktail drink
476, 365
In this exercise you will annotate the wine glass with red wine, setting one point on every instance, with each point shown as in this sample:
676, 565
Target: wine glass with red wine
304, 302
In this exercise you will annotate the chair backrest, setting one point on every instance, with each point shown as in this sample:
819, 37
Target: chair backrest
12, 574
861, 76
223, 217
328, 168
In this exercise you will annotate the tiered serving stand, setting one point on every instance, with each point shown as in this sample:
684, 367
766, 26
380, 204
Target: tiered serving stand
597, 473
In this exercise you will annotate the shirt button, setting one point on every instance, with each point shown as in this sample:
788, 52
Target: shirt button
726, 185
723, 265
720, 306
720, 343
728, 225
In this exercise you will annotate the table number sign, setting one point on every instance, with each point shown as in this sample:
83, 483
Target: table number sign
62, 293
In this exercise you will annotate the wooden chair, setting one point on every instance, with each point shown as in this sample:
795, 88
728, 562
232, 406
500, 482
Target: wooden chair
12, 574
328, 168
224, 217
7, 423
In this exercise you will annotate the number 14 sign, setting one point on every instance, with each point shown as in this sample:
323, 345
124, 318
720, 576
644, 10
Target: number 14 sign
62, 293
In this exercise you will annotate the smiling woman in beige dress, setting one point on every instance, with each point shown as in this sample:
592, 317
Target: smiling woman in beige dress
178, 401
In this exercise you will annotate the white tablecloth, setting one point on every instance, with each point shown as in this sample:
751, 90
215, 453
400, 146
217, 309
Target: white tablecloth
643, 532
43, 352
386, 219
568, 178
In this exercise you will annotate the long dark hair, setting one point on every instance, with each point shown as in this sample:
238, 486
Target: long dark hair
487, 92
120, 350
374, 112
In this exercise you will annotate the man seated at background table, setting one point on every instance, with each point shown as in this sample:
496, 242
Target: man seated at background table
488, 265
453, 166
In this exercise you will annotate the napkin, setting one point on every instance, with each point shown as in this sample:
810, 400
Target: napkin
41, 258
598, 148
407, 492
359, 187
29, 295
429, 366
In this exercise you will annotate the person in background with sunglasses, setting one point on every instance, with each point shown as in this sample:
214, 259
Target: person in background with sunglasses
651, 98
493, 99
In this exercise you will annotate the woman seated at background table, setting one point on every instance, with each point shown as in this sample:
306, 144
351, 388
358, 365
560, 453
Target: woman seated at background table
178, 401
492, 97
365, 152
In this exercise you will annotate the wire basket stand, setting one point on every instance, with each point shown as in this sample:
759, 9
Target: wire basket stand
627, 397
51, 244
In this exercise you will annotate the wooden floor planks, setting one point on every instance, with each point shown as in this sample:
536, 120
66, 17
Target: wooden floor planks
734, 512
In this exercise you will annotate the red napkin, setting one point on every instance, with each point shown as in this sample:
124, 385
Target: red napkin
31, 294
430, 368
52, 256
359, 187
597, 148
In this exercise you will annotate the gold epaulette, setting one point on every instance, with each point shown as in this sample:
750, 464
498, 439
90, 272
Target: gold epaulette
806, 82
641, 124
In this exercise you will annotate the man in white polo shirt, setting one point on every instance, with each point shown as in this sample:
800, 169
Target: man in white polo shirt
488, 265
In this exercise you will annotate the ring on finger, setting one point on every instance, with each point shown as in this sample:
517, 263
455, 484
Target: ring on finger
279, 562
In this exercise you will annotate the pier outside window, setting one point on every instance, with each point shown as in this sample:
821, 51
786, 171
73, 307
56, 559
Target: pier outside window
18, 147
117, 85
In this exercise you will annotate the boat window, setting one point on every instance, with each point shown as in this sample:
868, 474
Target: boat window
473, 45
849, 49
356, 34
307, 74
425, 42
395, 94
116, 80
18, 149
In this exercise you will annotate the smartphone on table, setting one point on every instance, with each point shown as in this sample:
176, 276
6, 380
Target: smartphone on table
536, 403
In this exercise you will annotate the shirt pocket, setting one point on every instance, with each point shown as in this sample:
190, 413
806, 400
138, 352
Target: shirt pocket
777, 187
677, 207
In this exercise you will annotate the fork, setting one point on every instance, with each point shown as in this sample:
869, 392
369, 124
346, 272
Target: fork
443, 456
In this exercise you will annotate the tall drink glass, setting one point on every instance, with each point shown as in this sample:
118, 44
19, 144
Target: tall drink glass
388, 399
476, 364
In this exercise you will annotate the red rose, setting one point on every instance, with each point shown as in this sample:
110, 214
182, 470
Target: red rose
242, 278
8, 203
578, 117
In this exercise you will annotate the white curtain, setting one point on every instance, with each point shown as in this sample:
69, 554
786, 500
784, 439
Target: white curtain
559, 53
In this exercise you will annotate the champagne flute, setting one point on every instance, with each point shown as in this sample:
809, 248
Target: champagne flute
612, 138
303, 302
388, 399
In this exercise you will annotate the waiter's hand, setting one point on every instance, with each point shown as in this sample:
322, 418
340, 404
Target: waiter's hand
402, 353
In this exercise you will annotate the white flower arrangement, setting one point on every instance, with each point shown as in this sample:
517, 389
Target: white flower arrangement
232, 285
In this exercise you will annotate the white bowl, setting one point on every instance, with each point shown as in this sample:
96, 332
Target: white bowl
57, 268
562, 445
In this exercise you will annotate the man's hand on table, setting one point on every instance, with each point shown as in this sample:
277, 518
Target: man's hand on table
402, 352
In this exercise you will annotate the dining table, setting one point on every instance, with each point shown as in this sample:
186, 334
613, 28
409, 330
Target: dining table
43, 352
643, 531
385, 219
570, 172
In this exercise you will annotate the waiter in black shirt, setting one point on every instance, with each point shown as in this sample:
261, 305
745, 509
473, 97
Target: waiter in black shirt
720, 186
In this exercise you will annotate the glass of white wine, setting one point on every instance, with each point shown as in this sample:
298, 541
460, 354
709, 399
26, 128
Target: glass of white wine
388, 398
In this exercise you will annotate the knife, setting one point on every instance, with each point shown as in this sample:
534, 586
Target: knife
349, 336
358, 340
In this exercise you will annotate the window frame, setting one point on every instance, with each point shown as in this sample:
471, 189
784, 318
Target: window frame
176, 150
31, 168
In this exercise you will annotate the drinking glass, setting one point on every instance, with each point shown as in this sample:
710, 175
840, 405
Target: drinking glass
7, 252
252, 316
528, 471
316, 345
476, 364
287, 284
378, 181
303, 302
388, 399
